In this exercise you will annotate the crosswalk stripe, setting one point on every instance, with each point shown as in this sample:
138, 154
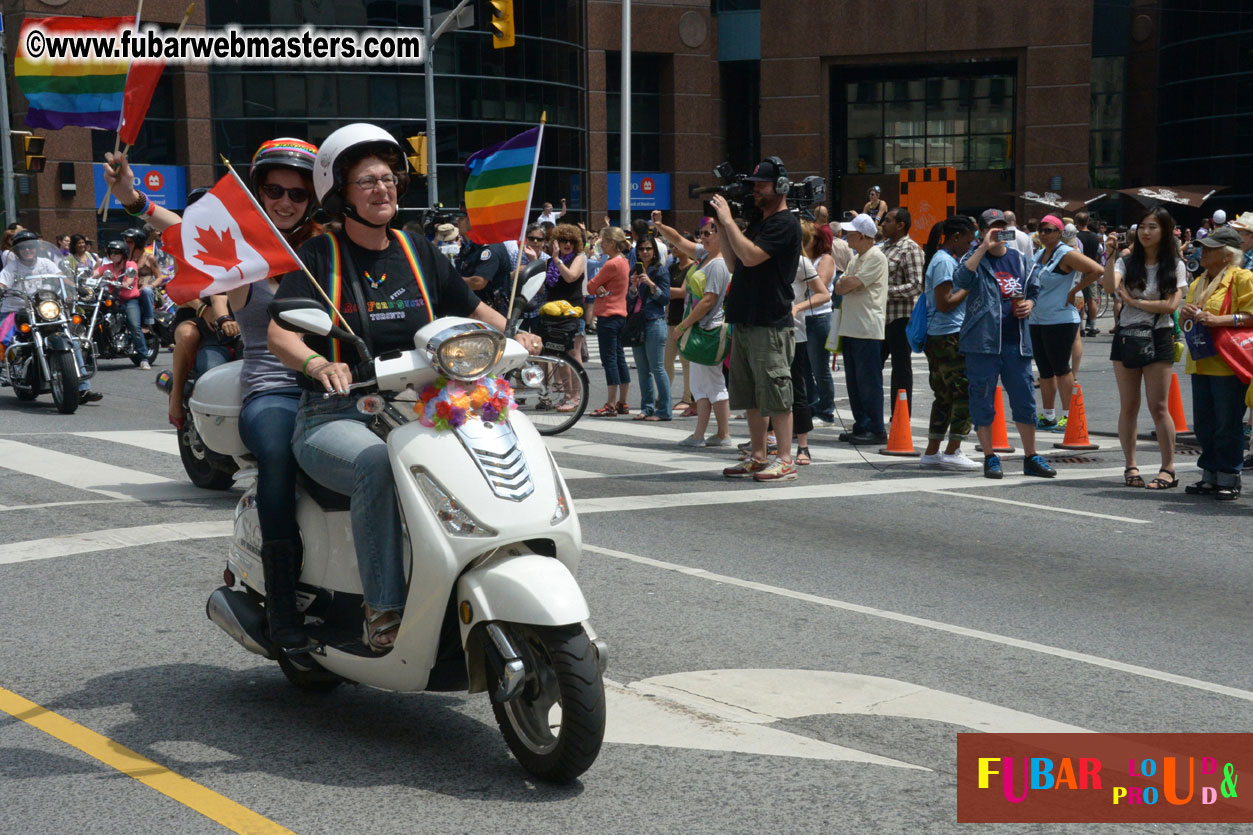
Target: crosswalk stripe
108, 540
94, 476
157, 441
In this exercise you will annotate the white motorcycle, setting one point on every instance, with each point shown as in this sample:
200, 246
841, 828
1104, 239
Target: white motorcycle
492, 602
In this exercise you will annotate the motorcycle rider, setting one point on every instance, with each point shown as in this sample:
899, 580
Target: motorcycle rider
149, 274
117, 267
403, 283
27, 261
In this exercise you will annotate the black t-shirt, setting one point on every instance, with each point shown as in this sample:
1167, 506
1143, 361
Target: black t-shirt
491, 262
566, 291
395, 304
762, 295
1090, 242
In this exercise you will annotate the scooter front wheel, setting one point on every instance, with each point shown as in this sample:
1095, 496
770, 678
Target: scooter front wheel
556, 724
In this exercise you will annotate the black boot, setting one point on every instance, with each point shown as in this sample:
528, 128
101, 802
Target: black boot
281, 560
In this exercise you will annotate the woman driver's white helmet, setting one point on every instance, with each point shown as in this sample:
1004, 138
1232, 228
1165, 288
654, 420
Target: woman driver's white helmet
330, 169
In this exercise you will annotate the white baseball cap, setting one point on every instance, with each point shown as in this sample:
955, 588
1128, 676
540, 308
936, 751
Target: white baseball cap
862, 223
1220, 217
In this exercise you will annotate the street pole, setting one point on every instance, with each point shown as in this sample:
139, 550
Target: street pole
432, 170
6, 147
625, 134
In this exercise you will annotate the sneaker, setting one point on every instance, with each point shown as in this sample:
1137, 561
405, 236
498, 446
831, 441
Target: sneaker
958, 463
144, 366
1044, 424
716, 441
750, 466
992, 467
746, 449
931, 462
777, 471
1060, 424
690, 441
1037, 466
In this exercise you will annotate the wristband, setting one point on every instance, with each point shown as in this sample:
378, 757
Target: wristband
304, 368
222, 319
139, 207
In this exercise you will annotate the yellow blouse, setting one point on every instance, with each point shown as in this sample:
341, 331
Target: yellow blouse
1243, 303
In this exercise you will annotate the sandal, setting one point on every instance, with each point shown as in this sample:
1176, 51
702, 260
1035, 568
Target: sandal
1132, 480
1160, 483
376, 628
624, 409
567, 407
640, 416
655, 419
802, 456
608, 410
690, 411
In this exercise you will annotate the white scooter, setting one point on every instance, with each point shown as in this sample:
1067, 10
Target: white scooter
492, 601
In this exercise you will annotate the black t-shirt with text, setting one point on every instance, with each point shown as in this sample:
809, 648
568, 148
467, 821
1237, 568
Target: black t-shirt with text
394, 303
762, 295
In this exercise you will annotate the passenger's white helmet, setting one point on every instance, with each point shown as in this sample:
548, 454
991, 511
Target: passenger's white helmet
344, 147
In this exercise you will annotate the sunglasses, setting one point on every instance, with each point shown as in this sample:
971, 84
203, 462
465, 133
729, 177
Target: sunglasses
708, 233
1047, 230
535, 239
644, 249
566, 241
276, 192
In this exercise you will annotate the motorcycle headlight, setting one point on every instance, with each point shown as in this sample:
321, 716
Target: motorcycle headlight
49, 310
455, 519
467, 353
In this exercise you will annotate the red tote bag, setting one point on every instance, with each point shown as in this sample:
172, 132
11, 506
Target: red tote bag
1235, 345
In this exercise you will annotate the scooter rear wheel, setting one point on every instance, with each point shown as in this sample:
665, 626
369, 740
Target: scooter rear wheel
556, 725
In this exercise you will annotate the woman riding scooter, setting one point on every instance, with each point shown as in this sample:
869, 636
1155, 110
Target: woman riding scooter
404, 283
281, 178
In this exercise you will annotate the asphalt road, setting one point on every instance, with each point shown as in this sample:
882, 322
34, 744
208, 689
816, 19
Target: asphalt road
795, 657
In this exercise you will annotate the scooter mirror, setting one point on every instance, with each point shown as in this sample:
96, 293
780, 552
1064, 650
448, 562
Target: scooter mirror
305, 321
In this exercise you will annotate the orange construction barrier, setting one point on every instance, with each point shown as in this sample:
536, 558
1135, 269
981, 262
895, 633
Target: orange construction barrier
1176, 406
1076, 425
1000, 435
900, 439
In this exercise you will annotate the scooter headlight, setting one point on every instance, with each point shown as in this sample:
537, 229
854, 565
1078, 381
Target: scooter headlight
49, 310
455, 519
466, 352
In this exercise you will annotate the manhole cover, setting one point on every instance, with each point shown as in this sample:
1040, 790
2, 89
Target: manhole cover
1074, 459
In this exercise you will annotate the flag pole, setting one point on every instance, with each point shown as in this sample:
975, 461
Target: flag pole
530, 194
287, 246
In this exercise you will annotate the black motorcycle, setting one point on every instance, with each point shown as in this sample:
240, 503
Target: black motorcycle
207, 469
105, 313
40, 358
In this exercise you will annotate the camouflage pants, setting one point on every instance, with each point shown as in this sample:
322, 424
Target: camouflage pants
951, 409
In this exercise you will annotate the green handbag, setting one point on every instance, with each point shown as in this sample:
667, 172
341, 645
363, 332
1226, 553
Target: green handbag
706, 346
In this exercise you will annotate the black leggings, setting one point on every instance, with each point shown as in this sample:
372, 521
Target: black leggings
1052, 345
896, 344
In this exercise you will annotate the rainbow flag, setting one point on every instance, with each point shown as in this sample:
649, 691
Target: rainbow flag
498, 191
81, 93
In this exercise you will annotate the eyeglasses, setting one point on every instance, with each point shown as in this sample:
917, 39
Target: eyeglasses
708, 233
369, 183
276, 192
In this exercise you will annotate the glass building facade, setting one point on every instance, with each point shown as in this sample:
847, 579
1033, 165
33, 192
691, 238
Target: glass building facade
482, 95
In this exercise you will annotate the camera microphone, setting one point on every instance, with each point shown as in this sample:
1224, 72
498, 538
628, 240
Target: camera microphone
704, 190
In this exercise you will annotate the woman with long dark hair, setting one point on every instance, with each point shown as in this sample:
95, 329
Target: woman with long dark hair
1150, 282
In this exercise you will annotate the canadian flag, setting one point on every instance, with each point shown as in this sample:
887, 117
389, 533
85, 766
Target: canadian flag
225, 241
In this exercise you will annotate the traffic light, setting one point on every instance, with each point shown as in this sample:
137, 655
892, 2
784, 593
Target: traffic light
418, 158
502, 24
33, 147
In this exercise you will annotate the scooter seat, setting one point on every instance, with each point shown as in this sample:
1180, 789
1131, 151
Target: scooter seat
326, 498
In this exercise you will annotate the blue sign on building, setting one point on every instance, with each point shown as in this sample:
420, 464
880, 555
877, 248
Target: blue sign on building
649, 190
165, 185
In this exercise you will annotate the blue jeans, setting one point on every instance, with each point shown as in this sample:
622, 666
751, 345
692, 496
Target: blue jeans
650, 363
133, 314
1014, 371
83, 384
211, 355
266, 425
1217, 407
337, 450
612, 356
863, 369
147, 305
822, 386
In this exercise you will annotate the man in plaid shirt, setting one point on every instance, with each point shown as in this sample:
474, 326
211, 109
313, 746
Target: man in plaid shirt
905, 279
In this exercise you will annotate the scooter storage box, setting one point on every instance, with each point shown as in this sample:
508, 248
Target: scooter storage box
215, 405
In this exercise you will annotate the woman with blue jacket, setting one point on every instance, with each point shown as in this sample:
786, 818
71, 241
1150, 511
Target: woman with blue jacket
1055, 319
994, 338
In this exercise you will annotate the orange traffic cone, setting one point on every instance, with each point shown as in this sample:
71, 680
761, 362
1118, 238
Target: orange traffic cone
1176, 406
1076, 425
1000, 435
900, 439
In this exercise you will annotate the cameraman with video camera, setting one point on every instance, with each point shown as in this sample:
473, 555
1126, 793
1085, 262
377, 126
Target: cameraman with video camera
763, 262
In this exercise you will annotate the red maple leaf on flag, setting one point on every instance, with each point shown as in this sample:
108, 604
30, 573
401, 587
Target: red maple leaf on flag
219, 248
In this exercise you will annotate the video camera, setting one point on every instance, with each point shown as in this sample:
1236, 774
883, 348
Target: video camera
738, 191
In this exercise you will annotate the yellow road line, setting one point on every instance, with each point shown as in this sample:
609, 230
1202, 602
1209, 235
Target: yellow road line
207, 802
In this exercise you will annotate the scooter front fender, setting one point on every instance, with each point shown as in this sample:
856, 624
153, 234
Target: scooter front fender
520, 588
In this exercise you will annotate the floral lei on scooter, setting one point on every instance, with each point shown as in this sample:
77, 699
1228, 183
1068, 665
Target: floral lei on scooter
448, 404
